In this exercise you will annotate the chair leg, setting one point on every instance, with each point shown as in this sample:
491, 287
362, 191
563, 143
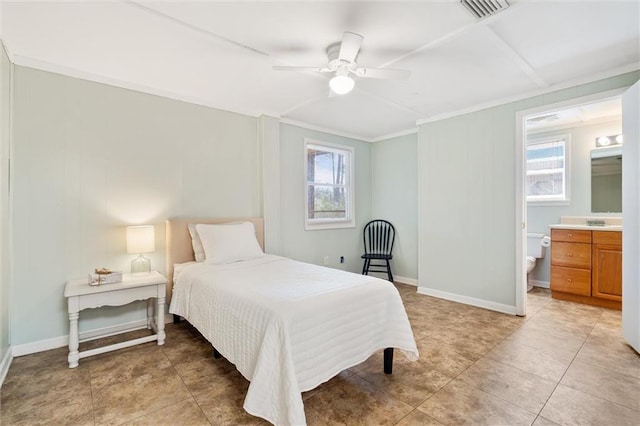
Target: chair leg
389, 274
365, 267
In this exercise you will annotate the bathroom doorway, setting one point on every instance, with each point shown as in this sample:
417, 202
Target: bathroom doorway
553, 173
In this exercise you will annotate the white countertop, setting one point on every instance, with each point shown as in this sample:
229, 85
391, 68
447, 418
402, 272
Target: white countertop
585, 227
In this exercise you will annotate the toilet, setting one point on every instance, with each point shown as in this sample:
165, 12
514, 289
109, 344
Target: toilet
536, 248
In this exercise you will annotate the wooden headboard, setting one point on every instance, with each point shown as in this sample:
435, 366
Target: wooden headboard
179, 248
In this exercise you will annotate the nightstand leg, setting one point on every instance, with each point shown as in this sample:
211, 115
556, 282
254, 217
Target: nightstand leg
160, 320
74, 355
149, 314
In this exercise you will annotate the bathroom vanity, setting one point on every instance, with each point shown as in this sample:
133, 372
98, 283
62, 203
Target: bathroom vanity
586, 264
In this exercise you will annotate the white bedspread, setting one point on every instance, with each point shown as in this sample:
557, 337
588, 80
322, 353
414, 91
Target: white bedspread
290, 326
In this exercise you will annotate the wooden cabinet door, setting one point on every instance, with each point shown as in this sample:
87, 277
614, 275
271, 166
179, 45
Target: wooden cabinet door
606, 277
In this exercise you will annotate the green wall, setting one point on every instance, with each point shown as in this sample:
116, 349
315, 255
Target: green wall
90, 159
394, 193
467, 198
313, 246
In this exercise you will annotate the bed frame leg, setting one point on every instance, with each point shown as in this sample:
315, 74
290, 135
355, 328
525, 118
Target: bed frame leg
176, 318
216, 354
388, 361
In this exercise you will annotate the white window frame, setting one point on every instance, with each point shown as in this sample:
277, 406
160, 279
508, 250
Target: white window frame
552, 200
349, 220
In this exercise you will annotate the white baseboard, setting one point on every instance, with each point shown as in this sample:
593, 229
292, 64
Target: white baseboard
40, 346
5, 364
62, 341
405, 280
536, 283
480, 303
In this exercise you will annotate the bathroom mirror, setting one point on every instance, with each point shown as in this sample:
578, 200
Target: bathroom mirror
606, 180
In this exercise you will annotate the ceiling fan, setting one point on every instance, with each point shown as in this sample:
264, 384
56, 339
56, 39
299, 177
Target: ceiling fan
342, 63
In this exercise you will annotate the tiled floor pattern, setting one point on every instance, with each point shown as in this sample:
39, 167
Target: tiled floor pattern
564, 364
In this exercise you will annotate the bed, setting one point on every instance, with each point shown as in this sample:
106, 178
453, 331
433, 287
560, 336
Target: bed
287, 326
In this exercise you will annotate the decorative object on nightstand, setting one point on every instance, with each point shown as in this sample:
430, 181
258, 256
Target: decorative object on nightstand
141, 240
104, 276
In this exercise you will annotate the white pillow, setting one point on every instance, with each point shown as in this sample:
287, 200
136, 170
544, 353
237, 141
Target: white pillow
229, 243
196, 243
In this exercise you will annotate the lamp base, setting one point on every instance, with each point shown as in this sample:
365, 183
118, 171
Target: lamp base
140, 265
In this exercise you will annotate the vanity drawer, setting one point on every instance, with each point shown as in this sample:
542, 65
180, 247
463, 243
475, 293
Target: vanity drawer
571, 236
613, 238
574, 255
571, 280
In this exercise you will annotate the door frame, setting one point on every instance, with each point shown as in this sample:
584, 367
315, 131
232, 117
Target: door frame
631, 209
520, 171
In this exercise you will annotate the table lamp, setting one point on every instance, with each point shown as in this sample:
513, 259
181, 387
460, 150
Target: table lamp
140, 240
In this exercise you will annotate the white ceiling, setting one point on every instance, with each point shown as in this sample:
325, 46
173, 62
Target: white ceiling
221, 53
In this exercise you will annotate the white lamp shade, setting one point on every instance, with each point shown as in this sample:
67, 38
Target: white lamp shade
141, 239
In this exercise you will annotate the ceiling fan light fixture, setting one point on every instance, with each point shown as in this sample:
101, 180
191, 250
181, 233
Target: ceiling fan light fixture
341, 83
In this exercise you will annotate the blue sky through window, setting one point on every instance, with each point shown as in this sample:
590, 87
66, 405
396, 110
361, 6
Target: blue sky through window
552, 151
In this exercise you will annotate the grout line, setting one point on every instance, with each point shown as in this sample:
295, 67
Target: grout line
484, 357
569, 366
93, 404
597, 366
134, 349
465, 369
185, 385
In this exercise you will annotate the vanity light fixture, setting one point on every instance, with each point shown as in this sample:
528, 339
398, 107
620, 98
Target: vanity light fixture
603, 141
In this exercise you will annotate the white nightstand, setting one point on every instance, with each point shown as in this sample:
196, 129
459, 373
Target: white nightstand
80, 295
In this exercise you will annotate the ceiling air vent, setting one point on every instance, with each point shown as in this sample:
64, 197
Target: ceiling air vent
484, 8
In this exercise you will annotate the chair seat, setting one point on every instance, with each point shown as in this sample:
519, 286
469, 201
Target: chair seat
381, 256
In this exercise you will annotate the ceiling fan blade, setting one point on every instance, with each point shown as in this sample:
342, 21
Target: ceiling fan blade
294, 68
382, 73
350, 46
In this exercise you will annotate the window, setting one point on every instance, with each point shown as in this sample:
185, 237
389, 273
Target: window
547, 170
329, 185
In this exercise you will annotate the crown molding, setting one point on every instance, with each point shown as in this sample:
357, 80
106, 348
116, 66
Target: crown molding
28, 62
395, 134
7, 51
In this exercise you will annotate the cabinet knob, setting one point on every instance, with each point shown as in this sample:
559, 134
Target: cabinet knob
570, 234
570, 255
569, 280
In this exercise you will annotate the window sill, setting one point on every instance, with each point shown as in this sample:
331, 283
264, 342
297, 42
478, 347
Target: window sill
549, 203
329, 225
